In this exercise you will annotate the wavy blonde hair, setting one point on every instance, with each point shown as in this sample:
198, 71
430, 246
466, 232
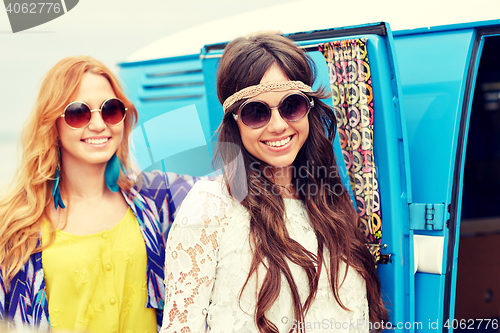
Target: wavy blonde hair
25, 206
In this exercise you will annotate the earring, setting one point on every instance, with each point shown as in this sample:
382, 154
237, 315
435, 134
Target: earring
112, 173
56, 194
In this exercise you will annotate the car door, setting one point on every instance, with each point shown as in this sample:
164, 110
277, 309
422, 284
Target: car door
438, 68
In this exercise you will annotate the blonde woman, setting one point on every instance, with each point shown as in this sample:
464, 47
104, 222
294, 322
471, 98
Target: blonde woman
81, 244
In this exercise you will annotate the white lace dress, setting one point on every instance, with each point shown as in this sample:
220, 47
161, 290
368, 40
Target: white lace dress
208, 260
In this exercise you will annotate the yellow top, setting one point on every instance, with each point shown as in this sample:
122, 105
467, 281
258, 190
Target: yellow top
97, 282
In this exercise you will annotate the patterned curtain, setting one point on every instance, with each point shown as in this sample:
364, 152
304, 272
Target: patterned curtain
352, 95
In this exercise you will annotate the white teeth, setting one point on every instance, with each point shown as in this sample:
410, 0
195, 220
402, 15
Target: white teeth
96, 141
278, 143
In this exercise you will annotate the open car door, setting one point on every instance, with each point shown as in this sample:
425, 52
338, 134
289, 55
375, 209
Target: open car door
447, 74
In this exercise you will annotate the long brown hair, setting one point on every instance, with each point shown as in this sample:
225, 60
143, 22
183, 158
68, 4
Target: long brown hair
243, 64
25, 206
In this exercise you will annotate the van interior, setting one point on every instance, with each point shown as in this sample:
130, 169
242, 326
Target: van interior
478, 275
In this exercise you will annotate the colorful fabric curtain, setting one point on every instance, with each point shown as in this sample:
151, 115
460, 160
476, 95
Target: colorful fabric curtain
352, 94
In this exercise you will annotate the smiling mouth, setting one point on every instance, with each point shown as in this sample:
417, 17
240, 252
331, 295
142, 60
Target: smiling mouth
278, 143
96, 141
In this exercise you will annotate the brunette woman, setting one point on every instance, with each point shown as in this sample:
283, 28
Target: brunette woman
81, 244
272, 247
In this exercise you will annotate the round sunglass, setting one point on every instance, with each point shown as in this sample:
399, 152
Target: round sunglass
77, 114
292, 107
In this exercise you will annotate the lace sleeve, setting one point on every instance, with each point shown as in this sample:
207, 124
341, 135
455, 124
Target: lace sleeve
191, 260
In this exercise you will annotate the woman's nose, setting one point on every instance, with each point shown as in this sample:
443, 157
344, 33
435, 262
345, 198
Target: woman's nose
276, 124
96, 124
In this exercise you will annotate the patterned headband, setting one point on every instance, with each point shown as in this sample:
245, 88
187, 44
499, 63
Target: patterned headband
253, 91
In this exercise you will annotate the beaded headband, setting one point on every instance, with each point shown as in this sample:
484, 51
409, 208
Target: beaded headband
253, 91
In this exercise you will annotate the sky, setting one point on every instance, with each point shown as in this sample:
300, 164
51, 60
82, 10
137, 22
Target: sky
112, 31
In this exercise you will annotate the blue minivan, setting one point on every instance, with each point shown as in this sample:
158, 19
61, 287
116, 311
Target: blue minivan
436, 102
